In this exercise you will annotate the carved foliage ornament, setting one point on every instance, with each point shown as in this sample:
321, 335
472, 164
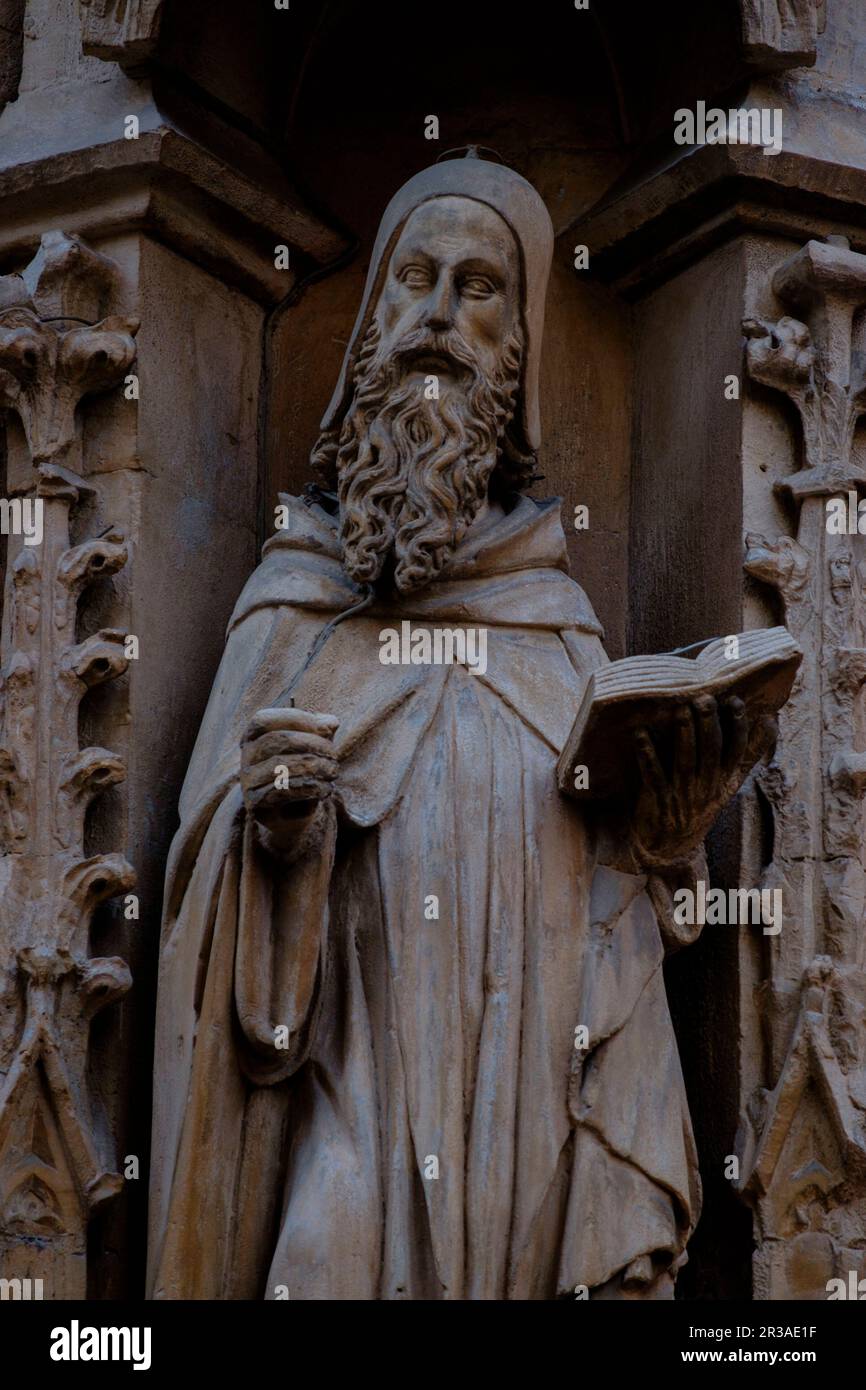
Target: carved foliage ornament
54, 1154
804, 1138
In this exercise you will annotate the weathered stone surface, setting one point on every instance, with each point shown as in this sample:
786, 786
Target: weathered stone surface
258, 128
218, 198
804, 1135
124, 33
782, 33
56, 1154
316, 885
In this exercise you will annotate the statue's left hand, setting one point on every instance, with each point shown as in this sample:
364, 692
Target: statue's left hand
714, 746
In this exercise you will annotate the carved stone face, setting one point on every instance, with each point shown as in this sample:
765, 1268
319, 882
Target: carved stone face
416, 455
455, 267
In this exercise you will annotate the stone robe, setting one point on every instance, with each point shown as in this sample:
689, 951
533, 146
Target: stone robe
412, 1039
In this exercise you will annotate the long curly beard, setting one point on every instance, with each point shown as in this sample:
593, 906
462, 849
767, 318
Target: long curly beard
413, 473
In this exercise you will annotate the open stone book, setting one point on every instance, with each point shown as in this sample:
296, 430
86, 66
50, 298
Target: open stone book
648, 690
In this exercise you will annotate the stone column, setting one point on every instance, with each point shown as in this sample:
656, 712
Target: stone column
57, 1160
201, 236
746, 273
802, 1141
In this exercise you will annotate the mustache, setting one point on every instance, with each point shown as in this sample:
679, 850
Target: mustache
379, 377
389, 364
447, 344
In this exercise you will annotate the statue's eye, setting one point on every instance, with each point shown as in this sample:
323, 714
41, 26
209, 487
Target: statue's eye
477, 287
416, 277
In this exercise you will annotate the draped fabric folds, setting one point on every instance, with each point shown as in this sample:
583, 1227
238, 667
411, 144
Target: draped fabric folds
427, 1128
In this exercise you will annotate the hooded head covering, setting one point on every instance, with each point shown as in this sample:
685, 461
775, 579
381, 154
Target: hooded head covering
520, 206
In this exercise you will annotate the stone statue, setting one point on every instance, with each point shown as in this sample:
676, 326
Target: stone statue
384, 925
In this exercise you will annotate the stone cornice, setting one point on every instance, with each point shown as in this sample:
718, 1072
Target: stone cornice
172, 188
709, 194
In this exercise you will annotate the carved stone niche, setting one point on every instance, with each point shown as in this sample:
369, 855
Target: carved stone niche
56, 1164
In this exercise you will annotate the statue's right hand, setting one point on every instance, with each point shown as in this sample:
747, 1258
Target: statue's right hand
288, 766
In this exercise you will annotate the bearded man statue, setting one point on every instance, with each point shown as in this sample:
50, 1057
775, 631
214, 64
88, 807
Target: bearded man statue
384, 924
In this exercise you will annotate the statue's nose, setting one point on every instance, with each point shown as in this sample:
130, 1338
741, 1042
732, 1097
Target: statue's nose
439, 312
